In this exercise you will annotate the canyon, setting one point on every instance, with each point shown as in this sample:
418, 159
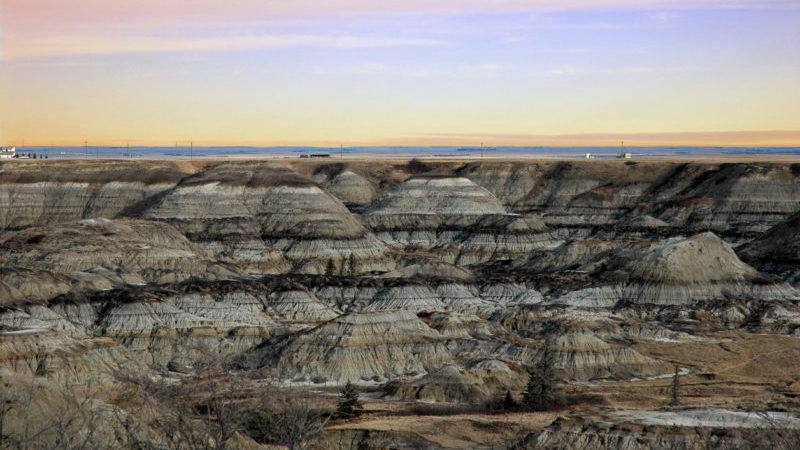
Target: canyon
432, 282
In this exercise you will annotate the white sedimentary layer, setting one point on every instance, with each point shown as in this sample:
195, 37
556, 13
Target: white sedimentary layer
364, 346
352, 188
244, 213
299, 306
406, 298
458, 297
446, 196
101, 253
583, 356
225, 315
702, 267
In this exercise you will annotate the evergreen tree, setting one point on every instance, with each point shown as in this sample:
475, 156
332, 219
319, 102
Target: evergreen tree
542, 391
351, 264
348, 406
675, 395
508, 402
330, 269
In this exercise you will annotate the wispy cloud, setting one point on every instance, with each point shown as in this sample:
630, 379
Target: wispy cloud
19, 47
569, 71
33, 28
382, 69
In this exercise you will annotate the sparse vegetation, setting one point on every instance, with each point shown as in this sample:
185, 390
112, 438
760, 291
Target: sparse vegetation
416, 166
542, 391
349, 405
330, 268
674, 391
508, 401
286, 420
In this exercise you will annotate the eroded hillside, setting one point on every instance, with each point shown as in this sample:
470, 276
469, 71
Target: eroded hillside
432, 280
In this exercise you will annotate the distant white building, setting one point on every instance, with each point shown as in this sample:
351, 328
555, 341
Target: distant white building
8, 152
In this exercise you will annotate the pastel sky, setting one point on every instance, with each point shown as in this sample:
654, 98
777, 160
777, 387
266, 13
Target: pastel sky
365, 72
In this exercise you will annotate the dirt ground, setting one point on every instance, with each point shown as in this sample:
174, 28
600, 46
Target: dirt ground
737, 370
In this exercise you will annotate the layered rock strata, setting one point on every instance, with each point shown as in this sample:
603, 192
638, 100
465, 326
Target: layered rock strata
361, 347
268, 218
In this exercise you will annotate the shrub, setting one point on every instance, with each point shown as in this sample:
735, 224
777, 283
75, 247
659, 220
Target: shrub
348, 406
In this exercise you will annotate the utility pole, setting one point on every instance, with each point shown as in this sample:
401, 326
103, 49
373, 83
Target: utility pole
341, 152
86, 149
481, 150
129, 151
191, 149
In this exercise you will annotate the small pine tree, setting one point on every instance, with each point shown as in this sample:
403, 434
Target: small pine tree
508, 402
330, 269
542, 391
674, 394
348, 406
351, 264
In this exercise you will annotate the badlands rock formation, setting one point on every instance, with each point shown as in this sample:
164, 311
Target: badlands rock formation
377, 346
264, 216
465, 223
101, 253
777, 250
434, 280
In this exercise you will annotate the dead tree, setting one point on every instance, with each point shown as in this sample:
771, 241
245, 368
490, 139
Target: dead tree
284, 418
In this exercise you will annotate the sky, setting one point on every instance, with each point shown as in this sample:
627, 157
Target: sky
433, 72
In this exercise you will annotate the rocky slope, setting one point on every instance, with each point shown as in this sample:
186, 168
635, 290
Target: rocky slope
264, 216
361, 347
432, 281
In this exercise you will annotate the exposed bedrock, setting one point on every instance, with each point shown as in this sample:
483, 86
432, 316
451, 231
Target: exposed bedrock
464, 222
458, 269
68, 191
698, 268
350, 187
483, 381
686, 429
777, 250
180, 331
269, 218
734, 200
299, 306
96, 254
65, 359
579, 198
437, 195
673, 271
359, 347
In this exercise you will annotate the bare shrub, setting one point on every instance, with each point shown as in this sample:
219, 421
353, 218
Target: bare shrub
284, 419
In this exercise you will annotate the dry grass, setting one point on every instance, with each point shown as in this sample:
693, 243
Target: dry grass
458, 431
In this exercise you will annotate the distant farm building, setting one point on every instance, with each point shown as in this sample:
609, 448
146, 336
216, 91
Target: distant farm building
8, 152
